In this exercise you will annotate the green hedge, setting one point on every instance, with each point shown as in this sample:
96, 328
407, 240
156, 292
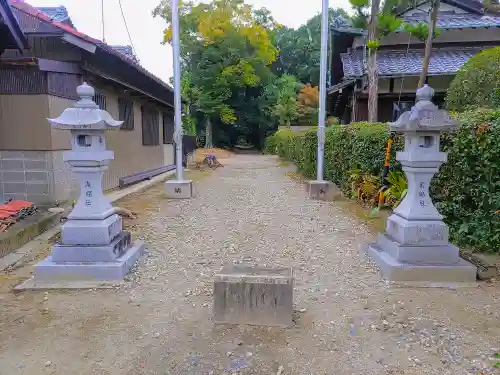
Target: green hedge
466, 190
477, 83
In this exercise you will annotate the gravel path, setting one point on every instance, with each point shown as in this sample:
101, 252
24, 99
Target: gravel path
159, 322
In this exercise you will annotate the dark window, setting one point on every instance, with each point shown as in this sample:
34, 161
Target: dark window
168, 128
100, 100
126, 113
150, 127
398, 110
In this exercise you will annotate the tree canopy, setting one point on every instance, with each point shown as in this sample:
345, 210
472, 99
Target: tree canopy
243, 74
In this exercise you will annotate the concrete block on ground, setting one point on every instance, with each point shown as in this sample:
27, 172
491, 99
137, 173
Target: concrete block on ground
179, 189
322, 190
253, 295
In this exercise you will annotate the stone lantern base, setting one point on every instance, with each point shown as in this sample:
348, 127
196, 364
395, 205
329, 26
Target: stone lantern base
322, 190
86, 266
438, 264
49, 271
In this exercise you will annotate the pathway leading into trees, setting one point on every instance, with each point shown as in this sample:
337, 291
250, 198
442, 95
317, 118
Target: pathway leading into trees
347, 320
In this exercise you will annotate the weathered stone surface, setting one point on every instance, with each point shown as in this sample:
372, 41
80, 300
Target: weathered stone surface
322, 190
415, 247
89, 253
394, 270
430, 254
254, 295
91, 232
93, 246
51, 272
417, 232
179, 189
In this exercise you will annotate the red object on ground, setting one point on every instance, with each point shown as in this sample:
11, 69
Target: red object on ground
5, 214
15, 206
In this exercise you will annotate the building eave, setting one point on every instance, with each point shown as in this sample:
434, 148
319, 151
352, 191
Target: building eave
143, 81
10, 20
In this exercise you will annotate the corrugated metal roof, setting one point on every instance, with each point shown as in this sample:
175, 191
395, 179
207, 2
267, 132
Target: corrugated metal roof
398, 63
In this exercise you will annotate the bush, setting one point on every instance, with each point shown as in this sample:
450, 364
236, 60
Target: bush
357, 146
466, 191
270, 144
477, 83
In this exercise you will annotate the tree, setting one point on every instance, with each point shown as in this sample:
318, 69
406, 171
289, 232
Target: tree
428, 44
309, 96
226, 49
308, 102
372, 63
378, 26
283, 91
300, 49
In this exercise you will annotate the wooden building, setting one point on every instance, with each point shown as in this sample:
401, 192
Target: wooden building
43, 60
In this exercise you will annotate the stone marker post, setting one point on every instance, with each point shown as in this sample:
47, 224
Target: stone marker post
415, 246
93, 245
253, 295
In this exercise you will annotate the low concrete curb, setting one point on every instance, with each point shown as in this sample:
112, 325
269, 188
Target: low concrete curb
14, 257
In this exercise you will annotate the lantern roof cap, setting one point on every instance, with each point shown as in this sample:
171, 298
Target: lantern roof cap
424, 116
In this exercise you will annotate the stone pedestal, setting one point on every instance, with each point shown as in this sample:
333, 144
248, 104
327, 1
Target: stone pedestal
415, 246
93, 248
322, 190
253, 295
176, 189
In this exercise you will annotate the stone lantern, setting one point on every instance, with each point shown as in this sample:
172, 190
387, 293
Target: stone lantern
415, 246
93, 245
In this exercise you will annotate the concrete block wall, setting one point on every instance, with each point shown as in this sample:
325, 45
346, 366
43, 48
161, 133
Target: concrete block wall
40, 177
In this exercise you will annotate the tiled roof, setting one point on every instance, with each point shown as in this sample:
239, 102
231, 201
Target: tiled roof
127, 51
452, 20
343, 25
28, 9
474, 6
397, 63
56, 13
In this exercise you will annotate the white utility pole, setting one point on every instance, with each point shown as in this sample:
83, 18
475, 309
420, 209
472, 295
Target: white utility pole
321, 189
322, 91
178, 188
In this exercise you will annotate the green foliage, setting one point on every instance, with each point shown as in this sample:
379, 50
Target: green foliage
363, 186
189, 125
372, 44
387, 24
226, 53
271, 144
477, 83
361, 13
299, 49
282, 97
396, 6
467, 188
466, 191
359, 146
398, 188
421, 31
